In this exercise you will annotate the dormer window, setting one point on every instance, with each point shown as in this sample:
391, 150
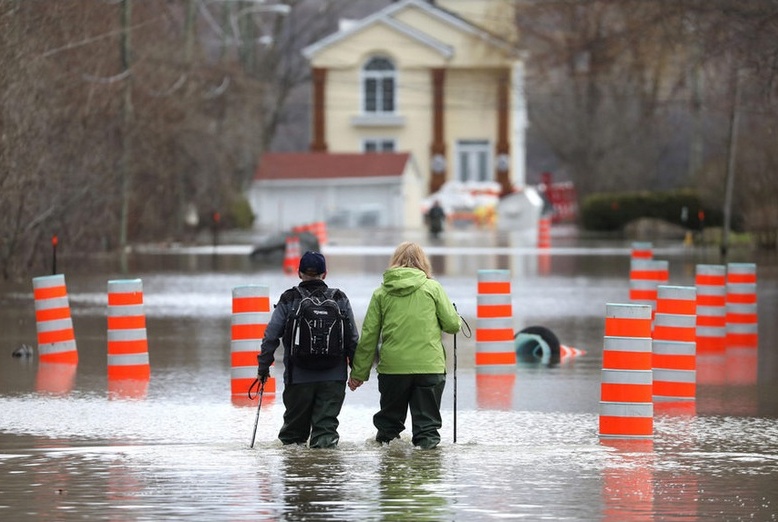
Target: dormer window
378, 85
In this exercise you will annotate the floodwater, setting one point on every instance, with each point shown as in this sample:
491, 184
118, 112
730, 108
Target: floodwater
73, 446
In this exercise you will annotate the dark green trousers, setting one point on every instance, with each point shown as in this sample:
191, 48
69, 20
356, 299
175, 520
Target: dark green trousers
421, 394
312, 411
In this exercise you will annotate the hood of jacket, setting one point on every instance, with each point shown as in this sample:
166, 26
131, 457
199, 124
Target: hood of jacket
403, 281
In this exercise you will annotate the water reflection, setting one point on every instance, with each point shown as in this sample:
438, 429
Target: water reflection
128, 389
316, 484
362, 481
55, 378
628, 480
75, 445
495, 391
411, 484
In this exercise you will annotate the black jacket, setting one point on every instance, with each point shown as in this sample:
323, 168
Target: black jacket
286, 306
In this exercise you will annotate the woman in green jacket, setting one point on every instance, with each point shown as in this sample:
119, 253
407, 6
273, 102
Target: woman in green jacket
402, 328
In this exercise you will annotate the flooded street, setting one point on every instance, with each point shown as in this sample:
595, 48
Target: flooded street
73, 447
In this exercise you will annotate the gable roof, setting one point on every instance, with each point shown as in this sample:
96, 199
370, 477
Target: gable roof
325, 165
445, 50
386, 16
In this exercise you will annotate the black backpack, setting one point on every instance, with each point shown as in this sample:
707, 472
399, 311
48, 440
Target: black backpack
315, 332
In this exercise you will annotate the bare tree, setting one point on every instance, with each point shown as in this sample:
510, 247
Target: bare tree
49, 145
601, 74
111, 127
638, 95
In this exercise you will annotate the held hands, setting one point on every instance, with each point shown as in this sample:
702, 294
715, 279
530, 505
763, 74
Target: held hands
353, 383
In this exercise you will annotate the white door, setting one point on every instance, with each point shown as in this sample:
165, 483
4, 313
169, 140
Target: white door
474, 161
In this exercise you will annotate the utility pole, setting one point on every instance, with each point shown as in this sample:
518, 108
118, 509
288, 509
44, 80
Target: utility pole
125, 172
734, 122
696, 145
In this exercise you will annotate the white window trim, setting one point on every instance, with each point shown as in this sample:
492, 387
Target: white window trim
363, 76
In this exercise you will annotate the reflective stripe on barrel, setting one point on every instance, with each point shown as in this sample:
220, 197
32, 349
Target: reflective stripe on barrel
494, 305
741, 293
56, 337
625, 353
673, 355
249, 326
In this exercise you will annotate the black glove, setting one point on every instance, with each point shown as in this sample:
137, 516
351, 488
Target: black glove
263, 372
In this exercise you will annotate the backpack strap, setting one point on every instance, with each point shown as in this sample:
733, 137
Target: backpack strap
330, 293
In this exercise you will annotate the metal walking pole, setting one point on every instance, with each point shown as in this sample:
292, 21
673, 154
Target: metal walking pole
261, 389
467, 333
455, 388
259, 407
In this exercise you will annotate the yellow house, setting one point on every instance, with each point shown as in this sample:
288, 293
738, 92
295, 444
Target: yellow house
432, 78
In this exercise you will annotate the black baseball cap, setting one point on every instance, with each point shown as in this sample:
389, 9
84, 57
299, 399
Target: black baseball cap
312, 263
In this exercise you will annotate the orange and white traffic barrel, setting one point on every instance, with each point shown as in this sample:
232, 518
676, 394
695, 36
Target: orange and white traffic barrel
711, 284
128, 349
494, 326
626, 407
250, 316
674, 358
56, 337
292, 255
645, 275
495, 356
742, 318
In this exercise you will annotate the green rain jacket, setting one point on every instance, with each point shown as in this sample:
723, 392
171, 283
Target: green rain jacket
404, 321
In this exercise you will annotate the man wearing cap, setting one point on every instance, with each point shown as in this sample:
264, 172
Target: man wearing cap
312, 398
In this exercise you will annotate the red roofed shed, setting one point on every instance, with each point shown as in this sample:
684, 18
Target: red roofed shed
345, 190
